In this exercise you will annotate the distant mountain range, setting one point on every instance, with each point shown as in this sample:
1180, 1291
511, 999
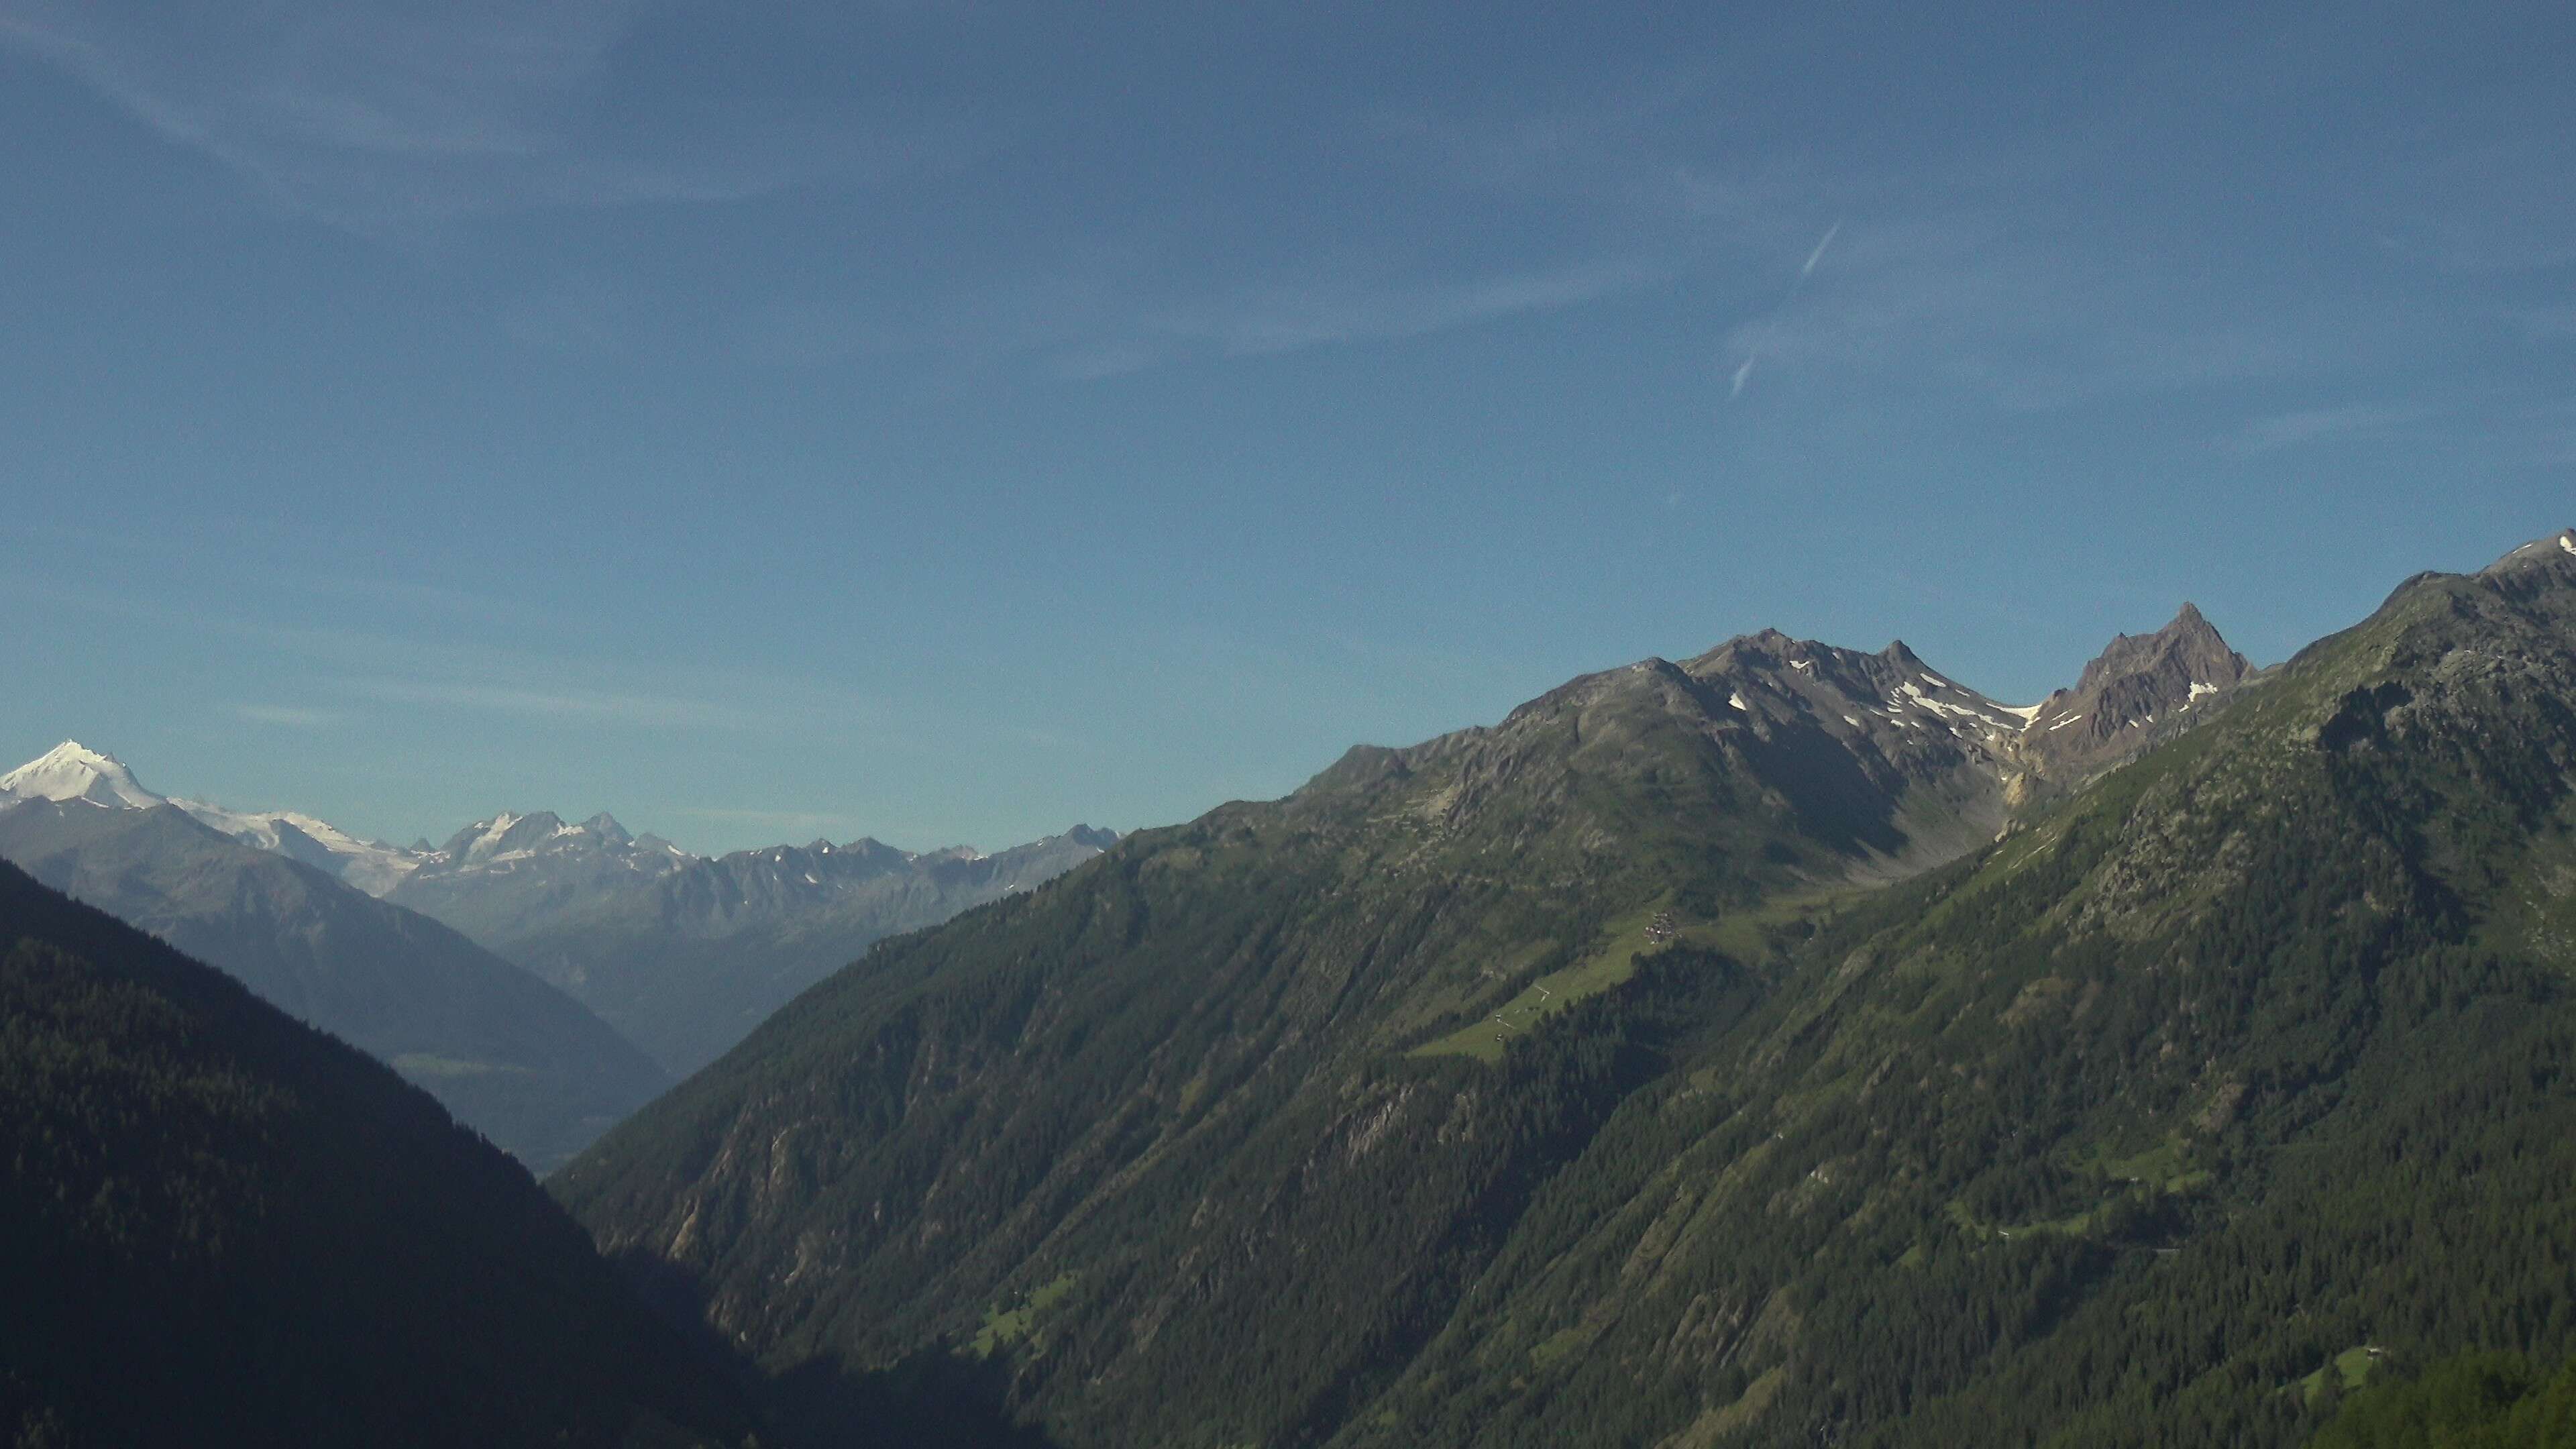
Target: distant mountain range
71, 771
510, 1055
686, 954
680, 954
1788, 1045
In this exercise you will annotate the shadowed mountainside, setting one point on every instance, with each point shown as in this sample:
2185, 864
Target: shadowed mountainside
221, 1226
514, 1057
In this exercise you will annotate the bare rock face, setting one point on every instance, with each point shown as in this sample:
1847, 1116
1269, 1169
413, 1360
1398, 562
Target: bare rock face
1905, 769
2140, 688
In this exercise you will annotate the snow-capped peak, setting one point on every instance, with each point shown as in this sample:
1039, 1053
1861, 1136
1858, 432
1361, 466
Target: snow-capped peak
73, 771
507, 842
370, 865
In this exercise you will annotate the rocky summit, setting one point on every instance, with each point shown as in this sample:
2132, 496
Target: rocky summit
2140, 688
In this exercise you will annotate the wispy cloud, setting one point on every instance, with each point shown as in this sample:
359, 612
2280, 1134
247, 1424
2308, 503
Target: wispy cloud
2310, 425
1631, 158
521, 680
657, 710
1308, 317
1950, 274
1104, 318
1962, 300
384, 600
1940, 274
1275, 319
381, 117
290, 716
1089, 361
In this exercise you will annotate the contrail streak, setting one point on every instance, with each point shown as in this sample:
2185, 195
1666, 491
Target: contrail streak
1818, 254
1771, 324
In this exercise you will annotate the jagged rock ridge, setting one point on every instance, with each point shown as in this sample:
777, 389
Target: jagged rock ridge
2139, 689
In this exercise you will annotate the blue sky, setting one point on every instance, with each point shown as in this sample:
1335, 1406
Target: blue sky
949, 421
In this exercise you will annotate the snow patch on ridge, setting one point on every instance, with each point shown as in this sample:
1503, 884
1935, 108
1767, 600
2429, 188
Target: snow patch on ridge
1938, 706
370, 865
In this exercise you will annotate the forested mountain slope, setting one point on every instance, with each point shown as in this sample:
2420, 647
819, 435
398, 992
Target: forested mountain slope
2468, 1401
1562, 1083
220, 1226
509, 1054
2251, 1062
1200, 1038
